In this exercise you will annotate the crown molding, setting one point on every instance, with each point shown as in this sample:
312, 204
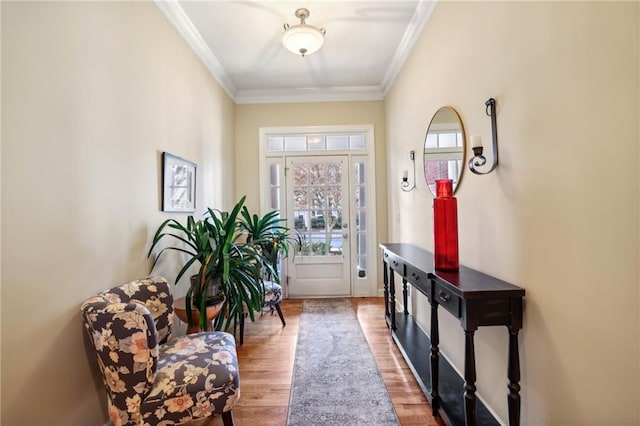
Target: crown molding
181, 22
176, 16
311, 94
423, 12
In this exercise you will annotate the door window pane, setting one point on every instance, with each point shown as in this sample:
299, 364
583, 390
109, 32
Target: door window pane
334, 173
275, 199
333, 194
335, 246
335, 220
274, 175
359, 173
316, 143
275, 143
301, 220
360, 197
337, 142
361, 220
295, 143
317, 200
316, 174
300, 198
356, 141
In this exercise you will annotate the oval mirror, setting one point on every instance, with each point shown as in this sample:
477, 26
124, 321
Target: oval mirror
444, 148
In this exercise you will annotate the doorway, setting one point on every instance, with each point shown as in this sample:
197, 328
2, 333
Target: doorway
322, 181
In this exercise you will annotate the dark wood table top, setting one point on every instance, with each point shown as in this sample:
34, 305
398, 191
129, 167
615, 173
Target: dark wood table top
467, 283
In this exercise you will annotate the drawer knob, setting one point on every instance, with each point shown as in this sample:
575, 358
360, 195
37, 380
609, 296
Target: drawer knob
444, 296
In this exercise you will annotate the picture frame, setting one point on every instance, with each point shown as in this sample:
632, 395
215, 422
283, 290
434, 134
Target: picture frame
178, 184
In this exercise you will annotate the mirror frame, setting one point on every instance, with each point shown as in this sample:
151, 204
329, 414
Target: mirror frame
464, 148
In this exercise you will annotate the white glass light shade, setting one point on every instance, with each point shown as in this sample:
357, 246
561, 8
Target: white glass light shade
303, 39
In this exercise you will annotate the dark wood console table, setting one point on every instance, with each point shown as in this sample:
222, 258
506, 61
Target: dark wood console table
477, 300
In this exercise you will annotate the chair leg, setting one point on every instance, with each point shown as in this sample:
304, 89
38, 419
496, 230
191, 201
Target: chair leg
227, 418
280, 314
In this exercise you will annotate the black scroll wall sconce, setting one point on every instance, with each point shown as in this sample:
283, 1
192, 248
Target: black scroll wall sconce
478, 159
405, 185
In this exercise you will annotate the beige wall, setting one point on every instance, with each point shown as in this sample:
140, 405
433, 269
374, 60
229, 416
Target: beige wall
250, 118
93, 93
559, 216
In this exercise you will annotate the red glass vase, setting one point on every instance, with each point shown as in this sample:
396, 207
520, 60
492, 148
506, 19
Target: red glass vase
445, 227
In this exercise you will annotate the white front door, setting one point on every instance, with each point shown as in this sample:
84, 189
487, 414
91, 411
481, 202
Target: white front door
318, 208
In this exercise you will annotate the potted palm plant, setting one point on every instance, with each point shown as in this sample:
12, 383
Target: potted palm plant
270, 235
226, 264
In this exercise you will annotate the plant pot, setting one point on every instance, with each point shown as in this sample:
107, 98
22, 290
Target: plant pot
212, 312
213, 296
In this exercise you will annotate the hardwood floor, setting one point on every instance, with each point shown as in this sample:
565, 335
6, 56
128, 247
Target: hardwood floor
266, 367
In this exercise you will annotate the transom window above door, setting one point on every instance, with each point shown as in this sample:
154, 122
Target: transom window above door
325, 142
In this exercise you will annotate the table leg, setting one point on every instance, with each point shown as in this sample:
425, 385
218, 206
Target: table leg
385, 278
405, 298
392, 299
514, 377
469, 379
435, 355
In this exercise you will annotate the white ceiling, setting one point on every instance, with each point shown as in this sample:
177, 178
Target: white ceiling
239, 42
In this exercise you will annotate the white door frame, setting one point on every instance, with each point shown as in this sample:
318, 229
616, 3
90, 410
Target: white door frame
367, 286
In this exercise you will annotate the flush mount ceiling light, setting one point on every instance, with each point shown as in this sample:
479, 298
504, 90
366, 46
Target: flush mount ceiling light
303, 39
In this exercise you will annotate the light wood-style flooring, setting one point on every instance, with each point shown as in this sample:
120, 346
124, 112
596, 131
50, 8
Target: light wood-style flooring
266, 367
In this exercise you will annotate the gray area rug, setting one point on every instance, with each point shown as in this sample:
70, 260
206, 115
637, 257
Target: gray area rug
336, 381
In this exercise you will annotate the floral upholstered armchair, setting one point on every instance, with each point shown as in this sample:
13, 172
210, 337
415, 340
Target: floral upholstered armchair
150, 378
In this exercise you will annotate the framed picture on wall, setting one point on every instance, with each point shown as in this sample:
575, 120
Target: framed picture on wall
178, 184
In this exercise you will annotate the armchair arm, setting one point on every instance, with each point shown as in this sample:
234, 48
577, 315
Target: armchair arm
126, 344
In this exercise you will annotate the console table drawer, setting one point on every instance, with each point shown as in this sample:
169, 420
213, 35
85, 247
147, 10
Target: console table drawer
419, 279
394, 262
447, 300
